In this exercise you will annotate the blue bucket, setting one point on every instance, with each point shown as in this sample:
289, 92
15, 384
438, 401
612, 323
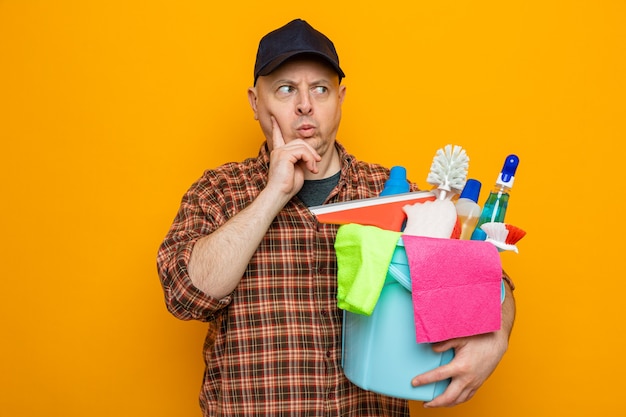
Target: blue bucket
380, 353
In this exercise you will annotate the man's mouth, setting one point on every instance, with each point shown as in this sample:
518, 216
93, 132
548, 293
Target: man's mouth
306, 130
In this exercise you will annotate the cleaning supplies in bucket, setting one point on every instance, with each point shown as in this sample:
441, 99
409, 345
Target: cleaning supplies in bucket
383, 351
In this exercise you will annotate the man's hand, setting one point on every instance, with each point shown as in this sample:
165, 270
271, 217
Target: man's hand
288, 162
476, 357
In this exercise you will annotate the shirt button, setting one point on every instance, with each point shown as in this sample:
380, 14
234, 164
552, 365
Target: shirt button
331, 395
329, 354
324, 313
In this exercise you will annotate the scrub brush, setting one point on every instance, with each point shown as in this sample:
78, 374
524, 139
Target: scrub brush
504, 236
448, 171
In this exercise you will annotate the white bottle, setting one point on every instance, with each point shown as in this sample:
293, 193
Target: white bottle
467, 208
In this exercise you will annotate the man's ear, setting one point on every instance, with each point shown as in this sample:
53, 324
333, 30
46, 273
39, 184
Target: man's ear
342, 93
252, 98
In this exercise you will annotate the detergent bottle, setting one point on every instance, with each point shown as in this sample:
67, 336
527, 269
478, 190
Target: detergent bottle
467, 208
397, 182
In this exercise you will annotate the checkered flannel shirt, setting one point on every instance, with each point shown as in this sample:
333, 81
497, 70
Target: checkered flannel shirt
273, 347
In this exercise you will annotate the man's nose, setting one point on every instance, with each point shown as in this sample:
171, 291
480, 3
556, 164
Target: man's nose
304, 105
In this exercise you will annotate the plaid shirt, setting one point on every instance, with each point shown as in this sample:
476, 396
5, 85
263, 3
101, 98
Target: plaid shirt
274, 345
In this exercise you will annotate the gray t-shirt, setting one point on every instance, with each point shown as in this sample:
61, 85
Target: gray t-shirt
315, 192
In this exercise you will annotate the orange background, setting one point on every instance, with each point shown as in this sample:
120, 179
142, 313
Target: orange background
109, 110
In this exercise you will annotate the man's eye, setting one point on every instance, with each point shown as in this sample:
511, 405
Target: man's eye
320, 90
285, 89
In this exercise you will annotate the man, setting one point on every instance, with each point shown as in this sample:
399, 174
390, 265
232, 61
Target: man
247, 256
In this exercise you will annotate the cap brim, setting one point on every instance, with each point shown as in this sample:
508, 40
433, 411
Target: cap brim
279, 60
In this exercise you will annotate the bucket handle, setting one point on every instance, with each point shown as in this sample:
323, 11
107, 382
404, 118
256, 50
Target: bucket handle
404, 280
399, 275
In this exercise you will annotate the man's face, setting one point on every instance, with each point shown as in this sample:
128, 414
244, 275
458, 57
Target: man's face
305, 98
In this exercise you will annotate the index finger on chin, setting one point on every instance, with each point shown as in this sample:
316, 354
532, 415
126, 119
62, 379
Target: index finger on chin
277, 135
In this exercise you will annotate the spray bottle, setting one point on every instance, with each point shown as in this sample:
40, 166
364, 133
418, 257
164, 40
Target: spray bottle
467, 208
497, 202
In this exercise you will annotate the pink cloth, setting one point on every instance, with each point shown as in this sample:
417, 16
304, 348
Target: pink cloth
456, 287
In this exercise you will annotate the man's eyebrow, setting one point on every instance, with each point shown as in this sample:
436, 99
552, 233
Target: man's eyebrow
283, 81
319, 81
323, 81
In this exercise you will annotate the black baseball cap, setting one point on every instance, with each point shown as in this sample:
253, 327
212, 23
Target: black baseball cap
295, 38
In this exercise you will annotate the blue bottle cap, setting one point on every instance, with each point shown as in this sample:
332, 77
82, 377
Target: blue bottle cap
471, 190
397, 172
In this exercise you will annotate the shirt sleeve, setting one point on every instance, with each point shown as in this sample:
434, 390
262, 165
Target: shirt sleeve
199, 215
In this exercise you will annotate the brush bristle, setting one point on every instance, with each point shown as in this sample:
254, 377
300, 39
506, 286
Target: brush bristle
449, 168
496, 231
502, 235
515, 234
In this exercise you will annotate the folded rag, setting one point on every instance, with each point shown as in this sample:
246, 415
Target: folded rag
363, 257
456, 287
